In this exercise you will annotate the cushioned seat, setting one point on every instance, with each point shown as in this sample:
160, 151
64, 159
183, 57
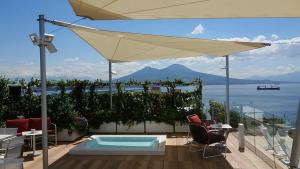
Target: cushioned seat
32, 123
36, 123
205, 137
195, 119
21, 124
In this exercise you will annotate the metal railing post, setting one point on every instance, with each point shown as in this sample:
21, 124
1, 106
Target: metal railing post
295, 154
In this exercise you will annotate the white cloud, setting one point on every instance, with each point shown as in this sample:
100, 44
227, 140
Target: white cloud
243, 39
274, 37
72, 59
260, 38
199, 29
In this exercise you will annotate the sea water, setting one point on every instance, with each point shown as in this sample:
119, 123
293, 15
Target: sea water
283, 103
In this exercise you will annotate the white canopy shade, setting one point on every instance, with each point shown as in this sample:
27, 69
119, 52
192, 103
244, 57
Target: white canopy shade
124, 47
164, 9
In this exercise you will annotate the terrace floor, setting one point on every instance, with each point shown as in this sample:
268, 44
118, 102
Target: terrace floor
177, 156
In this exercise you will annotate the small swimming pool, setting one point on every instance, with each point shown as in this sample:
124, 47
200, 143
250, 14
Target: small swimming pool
121, 145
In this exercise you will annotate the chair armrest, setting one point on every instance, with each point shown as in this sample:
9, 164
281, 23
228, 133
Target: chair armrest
195, 124
213, 130
55, 132
54, 127
208, 122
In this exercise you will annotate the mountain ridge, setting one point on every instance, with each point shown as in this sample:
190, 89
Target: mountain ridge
288, 77
177, 71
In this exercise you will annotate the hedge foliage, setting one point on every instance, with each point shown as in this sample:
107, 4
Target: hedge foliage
217, 110
79, 98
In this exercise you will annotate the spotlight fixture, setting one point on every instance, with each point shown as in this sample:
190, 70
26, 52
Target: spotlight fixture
46, 40
34, 38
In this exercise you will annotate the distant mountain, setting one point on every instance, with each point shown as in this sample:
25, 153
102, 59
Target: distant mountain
290, 77
177, 71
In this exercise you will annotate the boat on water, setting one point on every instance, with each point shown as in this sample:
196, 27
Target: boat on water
265, 87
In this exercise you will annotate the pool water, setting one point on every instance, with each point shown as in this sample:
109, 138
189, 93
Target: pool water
121, 145
122, 142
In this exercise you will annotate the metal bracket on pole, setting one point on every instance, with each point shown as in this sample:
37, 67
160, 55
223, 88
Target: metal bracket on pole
227, 91
41, 20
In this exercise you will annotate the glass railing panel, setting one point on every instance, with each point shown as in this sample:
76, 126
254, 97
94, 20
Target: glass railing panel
267, 133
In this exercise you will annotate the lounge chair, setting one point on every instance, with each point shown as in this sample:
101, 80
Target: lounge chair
12, 156
272, 143
11, 163
195, 119
11, 131
13, 147
287, 149
202, 136
33, 123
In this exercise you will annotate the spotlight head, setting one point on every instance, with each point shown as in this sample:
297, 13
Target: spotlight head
51, 48
34, 38
48, 38
46, 41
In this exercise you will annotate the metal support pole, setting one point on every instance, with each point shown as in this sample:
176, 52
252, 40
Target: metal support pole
110, 85
295, 154
44, 92
227, 90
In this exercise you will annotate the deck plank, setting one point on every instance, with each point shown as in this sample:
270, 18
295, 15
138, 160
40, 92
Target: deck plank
185, 165
171, 153
170, 165
95, 164
127, 164
177, 156
155, 165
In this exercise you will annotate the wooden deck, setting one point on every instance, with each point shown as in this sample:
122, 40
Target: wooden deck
177, 156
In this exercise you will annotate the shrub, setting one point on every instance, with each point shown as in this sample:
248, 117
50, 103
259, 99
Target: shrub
84, 101
218, 110
3, 97
62, 110
235, 118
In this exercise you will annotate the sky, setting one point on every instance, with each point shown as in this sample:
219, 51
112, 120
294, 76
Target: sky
76, 59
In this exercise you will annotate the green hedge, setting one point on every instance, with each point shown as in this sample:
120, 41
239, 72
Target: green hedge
218, 110
64, 107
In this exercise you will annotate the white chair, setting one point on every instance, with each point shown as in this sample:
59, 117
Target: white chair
11, 163
11, 131
13, 147
286, 148
272, 143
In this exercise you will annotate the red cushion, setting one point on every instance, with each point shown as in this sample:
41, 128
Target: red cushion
194, 118
51, 132
36, 123
21, 124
